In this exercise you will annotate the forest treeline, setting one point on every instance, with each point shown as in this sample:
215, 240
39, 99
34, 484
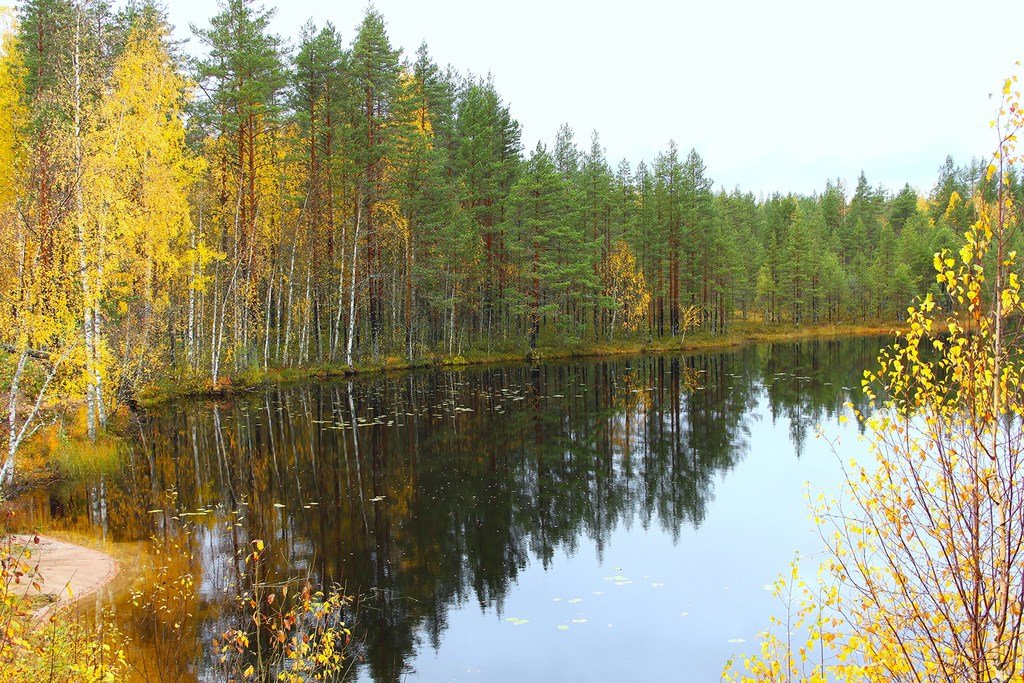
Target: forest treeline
336, 202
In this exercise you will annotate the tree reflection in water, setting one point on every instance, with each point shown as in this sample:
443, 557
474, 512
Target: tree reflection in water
428, 490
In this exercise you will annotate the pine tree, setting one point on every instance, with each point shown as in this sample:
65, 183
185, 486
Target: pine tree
375, 70
428, 197
668, 192
320, 101
779, 214
902, 207
45, 37
536, 212
742, 227
643, 226
704, 258
801, 260
436, 97
241, 78
486, 159
947, 201
595, 210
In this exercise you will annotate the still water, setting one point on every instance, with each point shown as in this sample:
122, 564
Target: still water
590, 520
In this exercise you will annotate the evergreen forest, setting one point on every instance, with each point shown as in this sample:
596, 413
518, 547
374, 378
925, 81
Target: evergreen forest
339, 203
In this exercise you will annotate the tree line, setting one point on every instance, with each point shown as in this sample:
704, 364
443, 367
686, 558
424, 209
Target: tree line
259, 207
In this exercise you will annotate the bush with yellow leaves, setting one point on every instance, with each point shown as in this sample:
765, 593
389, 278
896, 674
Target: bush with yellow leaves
288, 635
924, 576
55, 645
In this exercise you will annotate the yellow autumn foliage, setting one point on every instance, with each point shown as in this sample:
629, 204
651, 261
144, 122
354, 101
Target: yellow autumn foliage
924, 572
136, 181
36, 647
626, 286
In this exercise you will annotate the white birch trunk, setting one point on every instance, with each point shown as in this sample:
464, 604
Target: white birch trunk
88, 326
18, 433
352, 289
266, 329
288, 311
191, 351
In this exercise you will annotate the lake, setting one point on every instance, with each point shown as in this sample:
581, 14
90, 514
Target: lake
610, 519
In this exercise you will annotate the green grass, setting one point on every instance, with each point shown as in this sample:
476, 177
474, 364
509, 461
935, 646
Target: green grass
77, 458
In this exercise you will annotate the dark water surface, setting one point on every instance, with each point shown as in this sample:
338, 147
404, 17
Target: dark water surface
592, 520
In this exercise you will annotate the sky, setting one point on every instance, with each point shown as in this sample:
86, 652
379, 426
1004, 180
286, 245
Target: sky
775, 96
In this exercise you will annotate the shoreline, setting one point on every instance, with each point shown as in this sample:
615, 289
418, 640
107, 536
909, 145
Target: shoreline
191, 388
45, 475
69, 572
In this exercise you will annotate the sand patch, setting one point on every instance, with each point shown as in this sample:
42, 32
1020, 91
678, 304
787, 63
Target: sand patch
68, 571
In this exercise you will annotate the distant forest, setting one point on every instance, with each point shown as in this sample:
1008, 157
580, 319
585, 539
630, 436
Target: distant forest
258, 207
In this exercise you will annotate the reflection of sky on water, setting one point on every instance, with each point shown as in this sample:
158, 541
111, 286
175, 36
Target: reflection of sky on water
683, 603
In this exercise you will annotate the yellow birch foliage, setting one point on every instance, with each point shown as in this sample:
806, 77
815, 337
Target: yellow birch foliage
626, 286
137, 183
924, 576
30, 314
13, 115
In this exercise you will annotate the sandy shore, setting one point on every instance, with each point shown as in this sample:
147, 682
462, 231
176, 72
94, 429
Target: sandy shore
69, 571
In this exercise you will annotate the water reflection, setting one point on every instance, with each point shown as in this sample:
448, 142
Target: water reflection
432, 491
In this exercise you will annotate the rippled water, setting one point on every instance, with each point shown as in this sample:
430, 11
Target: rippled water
593, 520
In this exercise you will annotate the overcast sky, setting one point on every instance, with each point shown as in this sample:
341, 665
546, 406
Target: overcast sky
775, 96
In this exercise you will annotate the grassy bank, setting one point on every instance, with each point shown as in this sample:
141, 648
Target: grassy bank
188, 384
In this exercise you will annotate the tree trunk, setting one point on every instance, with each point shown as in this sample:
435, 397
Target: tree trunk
93, 395
352, 289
